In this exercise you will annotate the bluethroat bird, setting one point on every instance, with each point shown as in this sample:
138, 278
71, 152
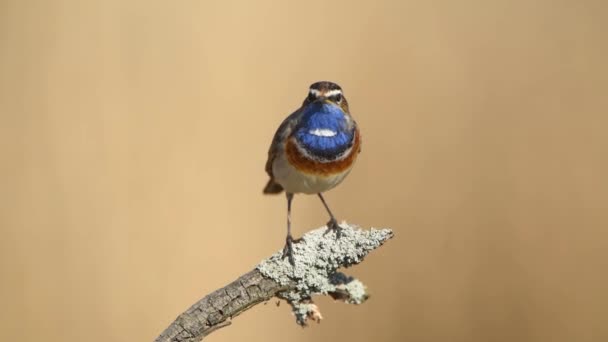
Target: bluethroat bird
313, 150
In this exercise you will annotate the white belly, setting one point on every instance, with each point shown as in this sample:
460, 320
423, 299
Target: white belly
295, 181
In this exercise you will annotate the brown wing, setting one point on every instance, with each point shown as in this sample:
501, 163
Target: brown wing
280, 136
278, 142
360, 137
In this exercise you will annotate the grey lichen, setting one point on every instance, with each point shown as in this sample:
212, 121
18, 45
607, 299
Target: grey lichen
318, 255
349, 289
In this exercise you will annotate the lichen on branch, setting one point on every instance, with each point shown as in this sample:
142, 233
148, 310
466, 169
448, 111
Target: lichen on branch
318, 255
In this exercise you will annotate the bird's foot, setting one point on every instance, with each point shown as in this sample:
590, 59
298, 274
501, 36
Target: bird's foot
288, 249
332, 225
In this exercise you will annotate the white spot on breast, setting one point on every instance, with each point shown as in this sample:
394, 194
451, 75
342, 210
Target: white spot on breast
323, 132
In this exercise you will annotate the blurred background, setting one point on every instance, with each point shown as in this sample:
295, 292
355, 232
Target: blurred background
133, 138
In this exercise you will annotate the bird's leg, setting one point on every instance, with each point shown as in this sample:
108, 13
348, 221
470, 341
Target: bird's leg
288, 249
332, 224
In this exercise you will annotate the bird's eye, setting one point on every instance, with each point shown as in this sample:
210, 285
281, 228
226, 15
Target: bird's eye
338, 97
311, 97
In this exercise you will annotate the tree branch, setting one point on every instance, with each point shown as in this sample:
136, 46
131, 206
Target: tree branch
318, 255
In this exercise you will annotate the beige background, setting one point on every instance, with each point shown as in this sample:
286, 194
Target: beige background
133, 138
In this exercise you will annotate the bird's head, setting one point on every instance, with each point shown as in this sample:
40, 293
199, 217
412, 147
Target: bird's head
326, 92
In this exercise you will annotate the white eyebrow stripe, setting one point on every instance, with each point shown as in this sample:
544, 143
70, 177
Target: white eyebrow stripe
333, 92
323, 132
315, 92
329, 93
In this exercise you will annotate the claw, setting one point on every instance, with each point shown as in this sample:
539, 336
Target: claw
332, 225
288, 250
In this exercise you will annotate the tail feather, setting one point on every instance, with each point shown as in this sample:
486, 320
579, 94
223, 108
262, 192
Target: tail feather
272, 187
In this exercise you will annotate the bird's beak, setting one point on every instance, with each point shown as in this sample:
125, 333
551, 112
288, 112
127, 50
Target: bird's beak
322, 99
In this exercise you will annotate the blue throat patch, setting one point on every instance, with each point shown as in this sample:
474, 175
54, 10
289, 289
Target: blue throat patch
323, 131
